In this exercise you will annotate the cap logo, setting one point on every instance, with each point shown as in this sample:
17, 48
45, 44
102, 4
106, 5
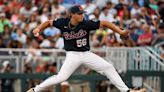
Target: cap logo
80, 8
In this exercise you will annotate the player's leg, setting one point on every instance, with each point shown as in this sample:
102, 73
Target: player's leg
71, 63
97, 63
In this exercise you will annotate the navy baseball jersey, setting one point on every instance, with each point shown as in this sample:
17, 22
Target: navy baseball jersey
76, 38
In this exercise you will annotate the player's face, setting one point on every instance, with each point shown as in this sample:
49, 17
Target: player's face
78, 17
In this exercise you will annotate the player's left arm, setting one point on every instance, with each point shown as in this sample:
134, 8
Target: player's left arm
113, 27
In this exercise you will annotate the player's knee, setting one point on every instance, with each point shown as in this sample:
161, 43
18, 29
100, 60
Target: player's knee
107, 68
62, 77
110, 66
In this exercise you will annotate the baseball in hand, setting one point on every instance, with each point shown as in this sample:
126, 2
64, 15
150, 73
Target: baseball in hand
36, 35
36, 32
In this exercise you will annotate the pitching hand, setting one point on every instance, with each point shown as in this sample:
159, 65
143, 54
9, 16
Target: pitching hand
36, 32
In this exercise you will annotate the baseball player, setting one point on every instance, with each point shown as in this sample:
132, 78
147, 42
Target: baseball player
75, 31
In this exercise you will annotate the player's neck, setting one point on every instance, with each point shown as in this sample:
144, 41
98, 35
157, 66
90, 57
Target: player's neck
73, 22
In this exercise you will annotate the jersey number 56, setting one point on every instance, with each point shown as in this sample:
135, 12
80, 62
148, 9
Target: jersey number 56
81, 42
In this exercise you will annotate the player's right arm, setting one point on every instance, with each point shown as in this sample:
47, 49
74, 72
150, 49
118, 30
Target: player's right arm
42, 26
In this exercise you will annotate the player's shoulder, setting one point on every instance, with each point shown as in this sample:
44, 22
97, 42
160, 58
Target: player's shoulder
60, 22
61, 19
90, 24
88, 21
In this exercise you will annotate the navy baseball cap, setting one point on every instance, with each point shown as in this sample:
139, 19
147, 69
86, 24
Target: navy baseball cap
76, 9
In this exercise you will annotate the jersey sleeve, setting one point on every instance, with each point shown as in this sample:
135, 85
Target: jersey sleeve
93, 25
58, 23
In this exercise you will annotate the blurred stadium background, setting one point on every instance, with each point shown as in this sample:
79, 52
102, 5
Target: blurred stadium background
26, 60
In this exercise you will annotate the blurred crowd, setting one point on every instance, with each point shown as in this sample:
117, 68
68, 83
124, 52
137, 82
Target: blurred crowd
144, 19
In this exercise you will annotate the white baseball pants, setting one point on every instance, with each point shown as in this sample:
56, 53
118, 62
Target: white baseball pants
74, 60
